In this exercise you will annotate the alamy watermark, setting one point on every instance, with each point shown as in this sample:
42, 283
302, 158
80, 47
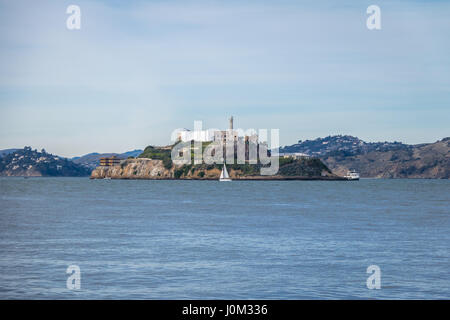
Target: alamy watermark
374, 280
231, 146
74, 280
374, 20
73, 22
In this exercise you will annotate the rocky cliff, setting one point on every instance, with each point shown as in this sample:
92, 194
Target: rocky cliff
134, 169
156, 169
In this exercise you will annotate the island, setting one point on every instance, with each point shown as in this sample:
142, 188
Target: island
155, 163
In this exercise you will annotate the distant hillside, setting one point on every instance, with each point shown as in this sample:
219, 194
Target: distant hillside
348, 144
379, 159
420, 161
4, 152
92, 160
31, 163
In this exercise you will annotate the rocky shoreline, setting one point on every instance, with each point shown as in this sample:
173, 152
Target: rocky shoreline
250, 178
149, 169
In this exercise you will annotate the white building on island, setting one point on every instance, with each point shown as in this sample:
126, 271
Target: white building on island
198, 135
214, 135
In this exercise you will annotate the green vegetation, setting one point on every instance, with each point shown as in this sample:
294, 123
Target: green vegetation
247, 169
284, 161
178, 173
306, 167
186, 170
155, 153
167, 163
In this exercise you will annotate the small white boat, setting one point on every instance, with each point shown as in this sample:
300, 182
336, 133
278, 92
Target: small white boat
224, 174
352, 175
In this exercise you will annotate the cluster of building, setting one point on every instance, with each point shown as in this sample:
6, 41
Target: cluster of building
110, 161
295, 155
212, 135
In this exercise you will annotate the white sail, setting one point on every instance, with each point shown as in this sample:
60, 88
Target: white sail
224, 174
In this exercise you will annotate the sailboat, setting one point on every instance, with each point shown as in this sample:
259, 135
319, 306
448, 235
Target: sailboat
224, 174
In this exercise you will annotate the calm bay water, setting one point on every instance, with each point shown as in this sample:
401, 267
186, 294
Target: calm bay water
211, 240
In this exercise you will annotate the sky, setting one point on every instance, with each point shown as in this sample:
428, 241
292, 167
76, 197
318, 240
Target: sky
137, 70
